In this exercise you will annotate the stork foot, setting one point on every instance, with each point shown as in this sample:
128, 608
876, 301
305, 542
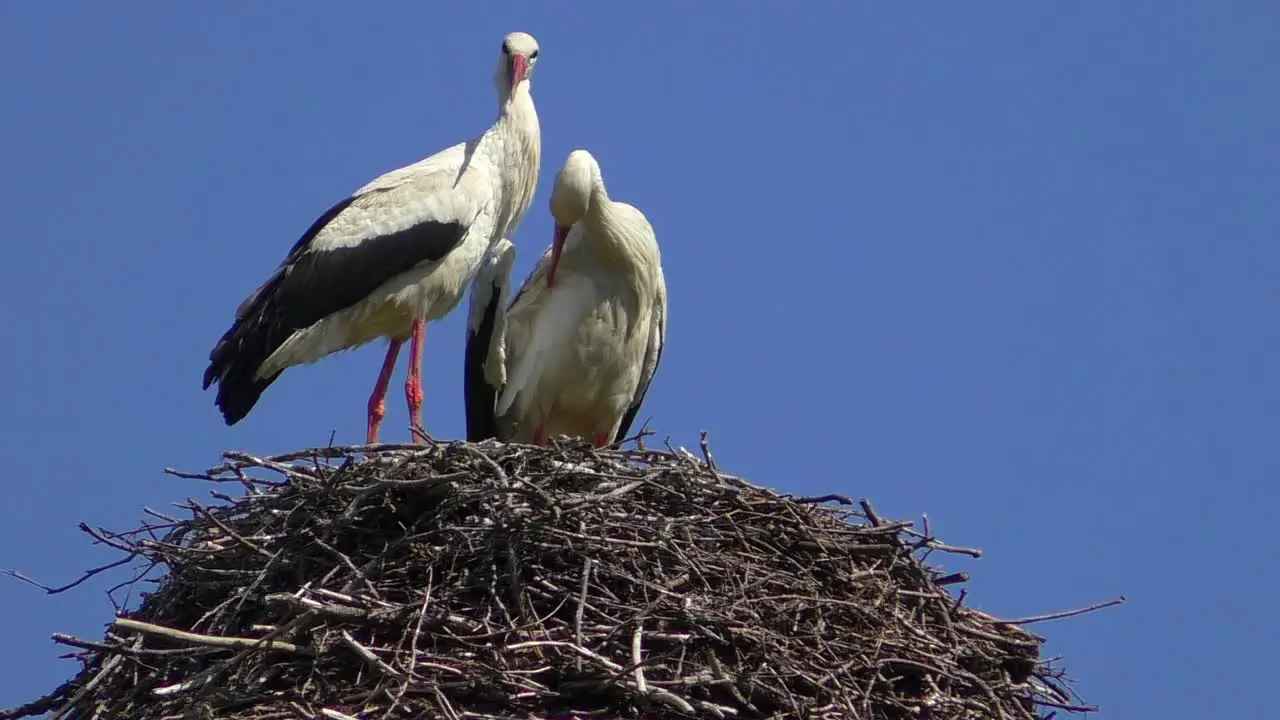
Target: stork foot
540, 435
601, 439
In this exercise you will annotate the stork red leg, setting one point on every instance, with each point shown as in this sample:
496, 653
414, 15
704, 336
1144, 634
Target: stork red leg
378, 400
413, 384
540, 435
601, 440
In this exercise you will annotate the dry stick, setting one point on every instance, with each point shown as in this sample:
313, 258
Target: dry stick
344, 451
952, 579
1065, 614
211, 476
88, 574
954, 549
1068, 708
223, 526
367, 655
842, 499
362, 492
101, 536
212, 640
706, 451
602, 660
869, 512
345, 561
636, 660
582, 605
413, 646
419, 432
643, 433
73, 641
213, 671
502, 475
422, 613
269, 464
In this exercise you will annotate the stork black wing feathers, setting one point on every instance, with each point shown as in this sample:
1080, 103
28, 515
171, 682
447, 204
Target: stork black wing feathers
480, 397
309, 286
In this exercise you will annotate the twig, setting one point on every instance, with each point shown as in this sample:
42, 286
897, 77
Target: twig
817, 499
88, 574
644, 432
407, 676
213, 671
418, 432
1066, 614
1068, 707
869, 512
226, 529
971, 552
367, 655
212, 640
73, 641
706, 451
636, 660
596, 657
582, 604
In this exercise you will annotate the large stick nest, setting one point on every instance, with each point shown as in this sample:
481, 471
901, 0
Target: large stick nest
509, 581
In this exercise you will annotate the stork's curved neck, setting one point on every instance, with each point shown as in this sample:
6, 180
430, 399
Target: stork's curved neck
620, 235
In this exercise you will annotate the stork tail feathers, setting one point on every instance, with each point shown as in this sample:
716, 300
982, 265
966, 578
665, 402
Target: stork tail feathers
234, 364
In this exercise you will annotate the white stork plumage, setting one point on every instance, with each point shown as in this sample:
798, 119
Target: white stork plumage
575, 352
397, 253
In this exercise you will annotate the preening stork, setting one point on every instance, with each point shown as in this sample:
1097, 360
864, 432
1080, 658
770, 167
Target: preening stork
577, 349
396, 254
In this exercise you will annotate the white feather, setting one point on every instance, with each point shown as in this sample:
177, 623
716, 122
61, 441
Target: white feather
580, 354
542, 343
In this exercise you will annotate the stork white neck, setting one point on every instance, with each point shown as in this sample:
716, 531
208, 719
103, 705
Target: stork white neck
519, 137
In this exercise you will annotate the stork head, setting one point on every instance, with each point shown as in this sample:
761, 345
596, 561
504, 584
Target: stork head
515, 63
576, 183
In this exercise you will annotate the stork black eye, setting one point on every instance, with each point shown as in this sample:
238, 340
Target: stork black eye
533, 55
506, 50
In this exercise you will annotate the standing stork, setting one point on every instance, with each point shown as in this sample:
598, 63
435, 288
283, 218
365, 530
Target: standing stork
396, 254
576, 351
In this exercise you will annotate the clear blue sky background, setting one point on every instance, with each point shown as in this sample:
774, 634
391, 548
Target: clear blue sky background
1011, 264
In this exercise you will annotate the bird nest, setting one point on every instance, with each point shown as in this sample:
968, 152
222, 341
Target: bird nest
509, 581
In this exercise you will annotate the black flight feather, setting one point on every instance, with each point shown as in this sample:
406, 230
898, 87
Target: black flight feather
480, 398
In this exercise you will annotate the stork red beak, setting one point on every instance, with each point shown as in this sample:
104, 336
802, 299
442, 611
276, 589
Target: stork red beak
556, 246
519, 69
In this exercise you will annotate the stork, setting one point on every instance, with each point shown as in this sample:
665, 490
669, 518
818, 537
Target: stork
577, 349
394, 255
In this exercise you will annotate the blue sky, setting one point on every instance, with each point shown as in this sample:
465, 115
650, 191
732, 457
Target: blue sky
1010, 264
